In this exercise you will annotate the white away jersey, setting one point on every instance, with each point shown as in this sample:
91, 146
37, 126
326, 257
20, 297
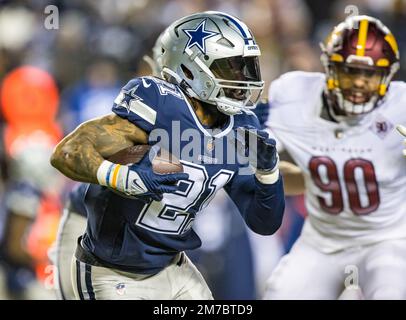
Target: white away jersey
355, 176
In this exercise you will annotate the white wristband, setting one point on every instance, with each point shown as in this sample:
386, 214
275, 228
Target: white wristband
269, 178
105, 173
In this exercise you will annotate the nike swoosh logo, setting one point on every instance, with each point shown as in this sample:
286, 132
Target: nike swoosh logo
138, 186
145, 83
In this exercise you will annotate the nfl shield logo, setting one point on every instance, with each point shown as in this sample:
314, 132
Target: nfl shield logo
210, 144
120, 288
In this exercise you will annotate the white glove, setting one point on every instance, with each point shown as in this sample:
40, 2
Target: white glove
138, 179
402, 131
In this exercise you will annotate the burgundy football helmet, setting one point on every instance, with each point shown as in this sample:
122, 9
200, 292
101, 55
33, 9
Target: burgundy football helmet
360, 58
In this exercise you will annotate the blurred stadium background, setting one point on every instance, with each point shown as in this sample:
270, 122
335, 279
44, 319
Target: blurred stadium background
52, 79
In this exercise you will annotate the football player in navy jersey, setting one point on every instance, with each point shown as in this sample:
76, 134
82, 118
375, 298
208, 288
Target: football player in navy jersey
140, 222
74, 218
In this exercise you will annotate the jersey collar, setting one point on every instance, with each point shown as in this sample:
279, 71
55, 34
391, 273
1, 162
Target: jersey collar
201, 127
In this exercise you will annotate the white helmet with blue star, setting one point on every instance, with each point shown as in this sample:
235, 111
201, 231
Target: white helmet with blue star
213, 57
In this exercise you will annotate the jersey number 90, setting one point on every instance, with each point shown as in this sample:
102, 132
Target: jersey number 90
325, 175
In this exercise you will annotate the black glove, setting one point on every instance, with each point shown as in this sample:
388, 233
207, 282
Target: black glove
263, 156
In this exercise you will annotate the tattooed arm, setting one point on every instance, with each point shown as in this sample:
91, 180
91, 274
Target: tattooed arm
80, 154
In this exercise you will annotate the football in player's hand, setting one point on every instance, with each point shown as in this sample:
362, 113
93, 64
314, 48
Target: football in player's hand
163, 163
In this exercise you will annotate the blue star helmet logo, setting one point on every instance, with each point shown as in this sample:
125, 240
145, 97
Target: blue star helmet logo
198, 36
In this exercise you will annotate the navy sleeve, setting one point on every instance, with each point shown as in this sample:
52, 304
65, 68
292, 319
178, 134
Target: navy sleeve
138, 102
261, 205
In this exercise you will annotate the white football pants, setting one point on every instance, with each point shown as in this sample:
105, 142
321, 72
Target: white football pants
71, 227
179, 281
306, 273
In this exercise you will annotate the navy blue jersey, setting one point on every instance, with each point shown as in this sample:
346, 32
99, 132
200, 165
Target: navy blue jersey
76, 199
144, 237
262, 112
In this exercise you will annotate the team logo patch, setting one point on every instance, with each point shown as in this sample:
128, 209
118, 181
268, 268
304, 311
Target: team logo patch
127, 97
120, 288
381, 126
198, 36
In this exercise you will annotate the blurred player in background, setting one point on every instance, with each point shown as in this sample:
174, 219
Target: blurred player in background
339, 129
211, 62
71, 227
31, 205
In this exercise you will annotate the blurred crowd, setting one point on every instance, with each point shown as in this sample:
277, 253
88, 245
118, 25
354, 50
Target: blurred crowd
53, 78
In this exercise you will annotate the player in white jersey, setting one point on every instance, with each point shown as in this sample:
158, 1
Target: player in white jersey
339, 128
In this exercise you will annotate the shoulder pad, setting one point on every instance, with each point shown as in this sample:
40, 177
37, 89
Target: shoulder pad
246, 118
294, 85
397, 90
141, 98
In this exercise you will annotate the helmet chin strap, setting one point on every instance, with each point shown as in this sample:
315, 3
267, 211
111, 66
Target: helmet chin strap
173, 77
349, 117
366, 107
349, 120
228, 110
351, 108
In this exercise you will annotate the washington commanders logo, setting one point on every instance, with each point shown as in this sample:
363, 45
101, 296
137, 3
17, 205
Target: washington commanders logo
381, 126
